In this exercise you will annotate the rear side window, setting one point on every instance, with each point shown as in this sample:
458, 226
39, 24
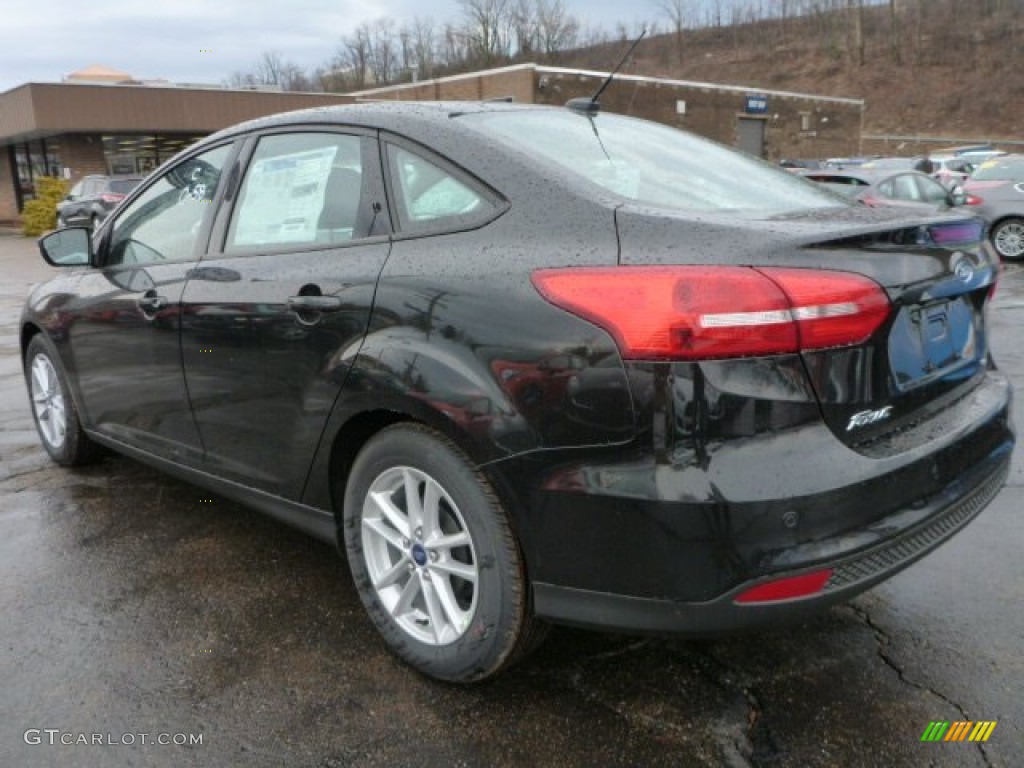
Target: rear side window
431, 197
300, 189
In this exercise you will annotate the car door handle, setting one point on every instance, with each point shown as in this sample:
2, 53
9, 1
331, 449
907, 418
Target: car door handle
152, 303
314, 303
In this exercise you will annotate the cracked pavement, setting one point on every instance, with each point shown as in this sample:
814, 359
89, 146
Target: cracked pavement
128, 605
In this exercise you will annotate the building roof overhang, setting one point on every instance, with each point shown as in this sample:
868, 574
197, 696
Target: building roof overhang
38, 110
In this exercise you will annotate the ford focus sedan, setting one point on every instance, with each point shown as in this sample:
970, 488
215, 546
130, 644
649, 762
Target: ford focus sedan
530, 365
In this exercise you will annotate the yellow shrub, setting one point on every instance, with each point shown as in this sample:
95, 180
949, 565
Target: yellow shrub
40, 214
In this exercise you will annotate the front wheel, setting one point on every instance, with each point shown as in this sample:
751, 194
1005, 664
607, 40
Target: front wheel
53, 409
434, 558
1008, 239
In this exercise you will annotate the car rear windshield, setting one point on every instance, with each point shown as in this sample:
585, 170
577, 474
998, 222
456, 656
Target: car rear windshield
123, 186
1000, 169
653, 164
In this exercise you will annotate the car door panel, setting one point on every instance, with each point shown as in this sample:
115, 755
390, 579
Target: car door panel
125, 335
272, 320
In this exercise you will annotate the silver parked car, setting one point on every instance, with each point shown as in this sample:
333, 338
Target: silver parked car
950, 170
902, 188
996, 191
92, 199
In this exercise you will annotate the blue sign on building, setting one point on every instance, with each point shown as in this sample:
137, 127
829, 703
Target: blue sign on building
757, 104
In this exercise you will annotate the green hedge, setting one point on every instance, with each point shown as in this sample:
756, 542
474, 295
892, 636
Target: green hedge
40, 215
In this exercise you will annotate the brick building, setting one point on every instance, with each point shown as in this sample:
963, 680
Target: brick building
766, 123
102, 121
104, 124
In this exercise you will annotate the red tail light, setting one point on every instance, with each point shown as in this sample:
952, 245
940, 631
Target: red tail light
109, 198
787, 588
974, 200
703, 312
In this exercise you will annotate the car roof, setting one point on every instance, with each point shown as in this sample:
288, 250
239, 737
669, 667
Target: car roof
398, 116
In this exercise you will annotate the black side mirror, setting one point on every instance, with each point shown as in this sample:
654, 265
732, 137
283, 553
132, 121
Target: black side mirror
68, 247
957, 196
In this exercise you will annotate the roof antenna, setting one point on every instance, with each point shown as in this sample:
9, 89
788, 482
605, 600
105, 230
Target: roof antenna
591, 105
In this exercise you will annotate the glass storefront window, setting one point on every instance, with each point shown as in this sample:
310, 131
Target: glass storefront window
33, 159
141, 153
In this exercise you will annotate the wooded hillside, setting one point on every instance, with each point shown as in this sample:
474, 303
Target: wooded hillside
941, 67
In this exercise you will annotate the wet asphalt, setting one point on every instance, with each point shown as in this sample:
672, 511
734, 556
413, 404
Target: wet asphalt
136, 609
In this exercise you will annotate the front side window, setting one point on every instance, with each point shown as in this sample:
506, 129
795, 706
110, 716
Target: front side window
300, 189
163, 223
651, 163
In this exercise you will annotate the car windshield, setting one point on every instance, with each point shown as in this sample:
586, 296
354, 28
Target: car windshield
1000, 169
653, 164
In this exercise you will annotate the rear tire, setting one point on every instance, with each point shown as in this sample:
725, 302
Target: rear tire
53, 408
433, 557
1008, 239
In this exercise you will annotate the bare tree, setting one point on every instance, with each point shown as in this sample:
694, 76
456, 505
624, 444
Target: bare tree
523, 25
424, 46
855, 26
454, 49
383, 59
556, 29
894, 33
487, 25
353, 60
678, 14
272, 69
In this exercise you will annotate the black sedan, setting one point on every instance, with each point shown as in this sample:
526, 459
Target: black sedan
529, 365
92, 199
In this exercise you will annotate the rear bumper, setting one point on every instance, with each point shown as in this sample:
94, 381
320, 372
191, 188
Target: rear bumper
722, 493
903, 538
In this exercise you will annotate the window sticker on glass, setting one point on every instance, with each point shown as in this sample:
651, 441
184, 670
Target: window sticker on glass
284, 196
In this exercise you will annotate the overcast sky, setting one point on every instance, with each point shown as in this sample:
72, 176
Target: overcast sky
43, 40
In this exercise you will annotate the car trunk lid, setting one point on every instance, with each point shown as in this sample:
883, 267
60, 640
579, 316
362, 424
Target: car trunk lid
936, 271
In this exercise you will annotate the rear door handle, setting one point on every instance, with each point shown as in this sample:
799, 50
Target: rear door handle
314, 303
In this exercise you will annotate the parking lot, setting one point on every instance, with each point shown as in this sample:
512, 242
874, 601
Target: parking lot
134, 604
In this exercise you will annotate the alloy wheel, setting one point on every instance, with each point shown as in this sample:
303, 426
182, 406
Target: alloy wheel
48, 402
419, 555
1008, 239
